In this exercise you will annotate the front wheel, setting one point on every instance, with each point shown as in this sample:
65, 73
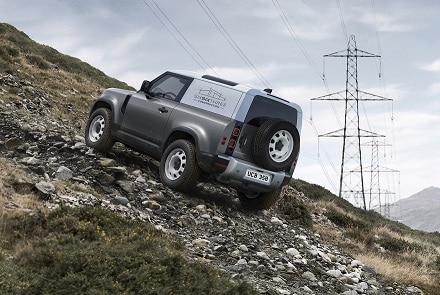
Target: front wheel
98, 130
178, 166
259, 201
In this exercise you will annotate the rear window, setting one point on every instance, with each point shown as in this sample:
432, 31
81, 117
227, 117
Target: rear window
269, 108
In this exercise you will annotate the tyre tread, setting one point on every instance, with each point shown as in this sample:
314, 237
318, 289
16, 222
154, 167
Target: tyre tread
106, 142
186, 182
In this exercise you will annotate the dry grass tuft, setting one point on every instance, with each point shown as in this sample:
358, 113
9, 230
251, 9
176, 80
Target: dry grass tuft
15, 190
398, 270
394, 250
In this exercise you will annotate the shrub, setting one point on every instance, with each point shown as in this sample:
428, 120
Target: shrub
7, 51
294, 209
340, 219
4, 55
311, 191
95, 251
437, 263
5, 66
37, 61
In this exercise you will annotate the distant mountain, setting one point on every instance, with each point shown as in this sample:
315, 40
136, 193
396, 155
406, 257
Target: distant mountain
420, 211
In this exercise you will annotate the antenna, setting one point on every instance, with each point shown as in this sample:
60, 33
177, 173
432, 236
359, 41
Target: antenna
351, 184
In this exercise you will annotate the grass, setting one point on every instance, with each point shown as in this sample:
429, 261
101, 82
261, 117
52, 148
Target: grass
83, 250
45, 56
361, 234
66, 85
400, 271
91, 250
15, 189
94, 251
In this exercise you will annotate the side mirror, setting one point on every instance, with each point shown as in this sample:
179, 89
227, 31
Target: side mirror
144, 86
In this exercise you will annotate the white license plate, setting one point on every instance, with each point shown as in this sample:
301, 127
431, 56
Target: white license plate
258, 176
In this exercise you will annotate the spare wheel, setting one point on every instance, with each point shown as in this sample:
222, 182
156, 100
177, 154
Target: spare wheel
276, 144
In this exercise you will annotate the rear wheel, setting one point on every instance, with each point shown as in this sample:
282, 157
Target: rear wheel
259, 201
98, 130
276, 145
178, 167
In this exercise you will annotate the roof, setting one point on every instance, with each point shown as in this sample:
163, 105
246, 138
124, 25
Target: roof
215, 80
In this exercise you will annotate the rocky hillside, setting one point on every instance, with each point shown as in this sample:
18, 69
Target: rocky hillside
301, 246
419, 211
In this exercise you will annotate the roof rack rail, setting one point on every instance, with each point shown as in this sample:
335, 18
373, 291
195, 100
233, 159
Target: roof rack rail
220, 80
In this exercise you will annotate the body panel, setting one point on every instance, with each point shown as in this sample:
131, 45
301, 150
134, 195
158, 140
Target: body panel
221, 119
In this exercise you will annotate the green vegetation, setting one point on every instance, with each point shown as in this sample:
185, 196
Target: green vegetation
38, 61
95, 251
14, 42
392, 248
64, 83
294, 209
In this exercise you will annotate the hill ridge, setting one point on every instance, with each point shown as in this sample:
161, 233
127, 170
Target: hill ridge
289, 249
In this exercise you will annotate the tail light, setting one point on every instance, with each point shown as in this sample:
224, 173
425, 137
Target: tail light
235, 134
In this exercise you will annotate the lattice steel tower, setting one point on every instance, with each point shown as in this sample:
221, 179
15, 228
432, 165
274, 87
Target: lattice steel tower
379, 197
351, 184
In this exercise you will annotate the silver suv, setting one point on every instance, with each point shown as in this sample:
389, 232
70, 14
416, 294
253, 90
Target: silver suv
246, 138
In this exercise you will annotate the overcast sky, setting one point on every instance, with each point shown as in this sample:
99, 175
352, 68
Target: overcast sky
278, 44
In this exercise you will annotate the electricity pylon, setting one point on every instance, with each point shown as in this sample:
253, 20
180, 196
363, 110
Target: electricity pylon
379, 197
351, 183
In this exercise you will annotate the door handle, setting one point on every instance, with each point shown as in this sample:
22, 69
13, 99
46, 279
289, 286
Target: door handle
163, 110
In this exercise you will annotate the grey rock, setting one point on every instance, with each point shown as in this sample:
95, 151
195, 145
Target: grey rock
106, 162
102, 177
336, 273
153, 205
273, 254
263, 255
45, 188
63, 173
13, 142
201, 242
116, 170
292, 252
309, 276
158, 197
127, 186
120, 200
31, 161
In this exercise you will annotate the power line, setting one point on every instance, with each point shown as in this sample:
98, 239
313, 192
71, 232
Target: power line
295, 38
328, 158
307, 56
231, 41
321, 76
382, 76
181, 35
373, 8
344, 29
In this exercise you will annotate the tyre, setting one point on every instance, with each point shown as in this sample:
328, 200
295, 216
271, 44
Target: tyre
259, 201
178, 167
276, 145
98, 130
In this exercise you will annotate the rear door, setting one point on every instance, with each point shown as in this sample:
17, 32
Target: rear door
146, 114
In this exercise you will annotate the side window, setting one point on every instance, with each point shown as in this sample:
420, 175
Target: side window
169, 87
